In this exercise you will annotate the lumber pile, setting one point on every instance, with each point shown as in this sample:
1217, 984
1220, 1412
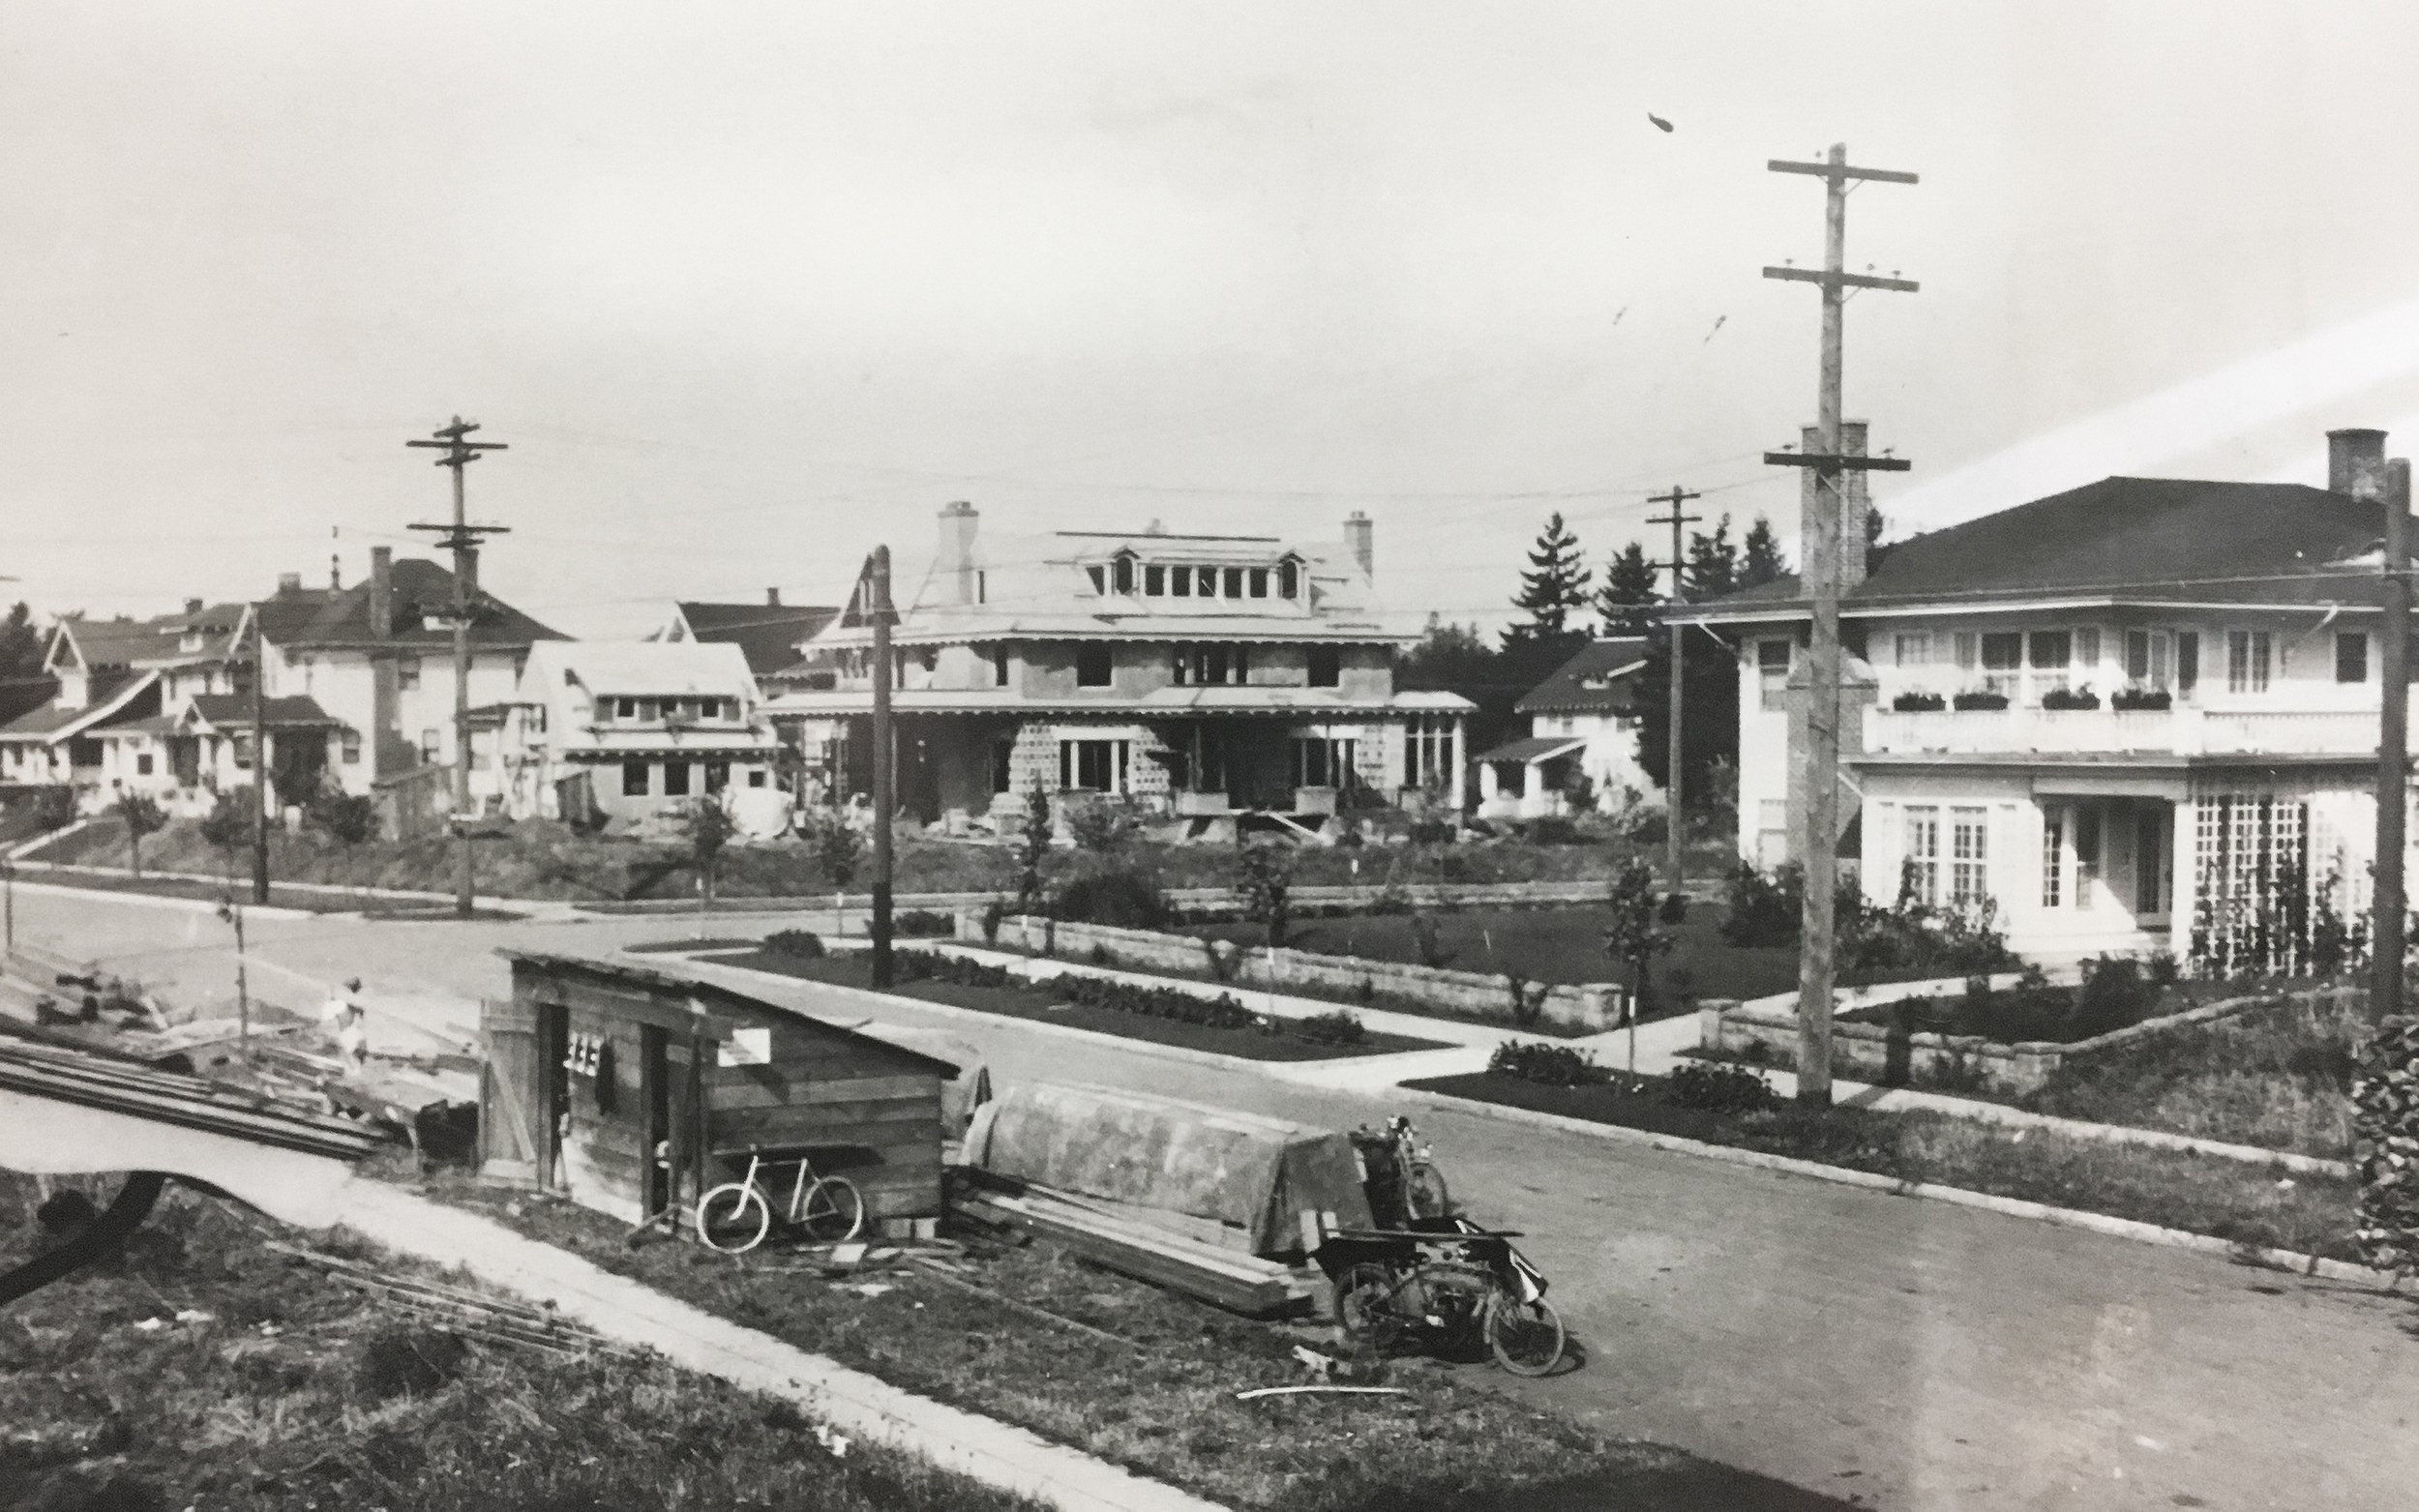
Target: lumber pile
495, 1319
1243, 1284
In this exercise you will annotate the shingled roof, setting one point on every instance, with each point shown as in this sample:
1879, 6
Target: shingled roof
767, 635
2122, 541
422, 589
1603, 679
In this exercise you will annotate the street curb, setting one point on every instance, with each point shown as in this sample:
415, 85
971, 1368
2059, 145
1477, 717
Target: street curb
255, 910
981, 1448
1957, 1197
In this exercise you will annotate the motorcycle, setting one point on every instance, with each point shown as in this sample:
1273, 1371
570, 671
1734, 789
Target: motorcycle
1443, 1284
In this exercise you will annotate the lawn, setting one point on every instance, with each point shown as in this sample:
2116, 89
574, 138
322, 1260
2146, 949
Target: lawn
203, 1370
2228, 1198
1276, 1039
1165, 1406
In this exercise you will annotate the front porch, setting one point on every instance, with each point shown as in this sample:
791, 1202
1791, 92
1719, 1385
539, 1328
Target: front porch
1529, 778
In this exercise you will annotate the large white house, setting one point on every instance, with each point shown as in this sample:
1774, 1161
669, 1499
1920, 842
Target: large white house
2140, 715
1197, 675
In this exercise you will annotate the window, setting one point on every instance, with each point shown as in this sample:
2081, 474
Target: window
1209, 582
1180, 581
1092, 766
1428, 751
2149, 862
1002, 765
1154, 581
1288, 579
2087, 650
1233, 582
1319, 761
756, 776
2146, 656
1969, 868
675, 778
2086, 854
1259, 582
982, 586
2052, 856
537, 720
142, 763
633, 779
2186, 661
1771, 671
2003, 654
2247, 654
1912, 647
1095, 666
407, 671
1325, 666
2351, 656
999, 665
625, 708
1241, 659
2049, 652
717, 776
350, 742
430, 744
1125, 574
1216, 665
1923, 854
1963, 647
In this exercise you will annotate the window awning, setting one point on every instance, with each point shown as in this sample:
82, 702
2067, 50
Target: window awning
1534, 749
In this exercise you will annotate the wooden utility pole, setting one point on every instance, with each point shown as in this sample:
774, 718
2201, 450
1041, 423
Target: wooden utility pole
259, 763
2393, 744
462, 538
1676, 633
1821, 560
885, 756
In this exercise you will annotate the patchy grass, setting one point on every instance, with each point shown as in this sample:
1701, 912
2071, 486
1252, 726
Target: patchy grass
297, 1393
2227, 1198
1280, 1041
1165, 1407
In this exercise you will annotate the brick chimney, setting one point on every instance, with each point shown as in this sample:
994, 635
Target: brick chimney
1855, 499
289, 585
381, 592
192, 605
772, 597
2352, 453
1361, 534
955, 565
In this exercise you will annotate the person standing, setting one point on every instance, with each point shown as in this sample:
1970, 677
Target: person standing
344, 1020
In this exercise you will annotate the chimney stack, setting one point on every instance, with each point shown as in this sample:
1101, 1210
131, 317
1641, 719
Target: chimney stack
772, 597
381, 592
955, 567
1361, 534
1856, 500
2351, 453
289, 585
192, 606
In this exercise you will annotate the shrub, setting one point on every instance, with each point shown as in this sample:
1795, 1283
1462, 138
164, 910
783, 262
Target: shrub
1102, 826
1264, 884
1119, 896
1717, 1088
1527, 1007
1429, 831
838, 848
1552, 830
1545, 1063
923, 923
1763, 909
1980, 700
1426, 939
55, 806
2114, 994
1338, 1027
1919, 702
2141, 698
993, 912
1221, 1012
797, 944
2069, 699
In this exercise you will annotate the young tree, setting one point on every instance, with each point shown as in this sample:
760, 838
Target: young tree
227, 826
1627, 594
1759, 556
1032, 849
1713, 563
349, 820
1264, 884
1644, 926
141, 817
21, 644
1554, 588
705, 825
837, 847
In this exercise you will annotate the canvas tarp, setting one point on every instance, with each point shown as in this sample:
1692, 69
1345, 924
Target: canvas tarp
1237, 1178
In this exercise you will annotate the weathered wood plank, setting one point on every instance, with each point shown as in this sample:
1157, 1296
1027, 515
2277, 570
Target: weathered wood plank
735, 1093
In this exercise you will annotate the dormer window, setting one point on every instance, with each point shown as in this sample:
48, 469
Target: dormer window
1259, 582
1209, 582
1288, 578
1122, 571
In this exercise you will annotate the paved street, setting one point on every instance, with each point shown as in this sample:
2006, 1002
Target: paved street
1907, 1353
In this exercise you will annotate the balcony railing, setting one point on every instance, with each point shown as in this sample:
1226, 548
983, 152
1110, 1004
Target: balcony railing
2178, 732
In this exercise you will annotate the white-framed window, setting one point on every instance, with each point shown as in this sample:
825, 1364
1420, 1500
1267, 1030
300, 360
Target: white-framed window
2087, 651
1288, 579
1322, 761
1233, 582
2147, 657
1923, 854
1969, 856
2248, 654
1180, 582
1428, 751
1259, 576
2087, 839
2351, 656
2052, 858
350, 743
1771, 673
2051, 654
1092, 766
2003, 661
1912, 647
1154, 581
2186, 661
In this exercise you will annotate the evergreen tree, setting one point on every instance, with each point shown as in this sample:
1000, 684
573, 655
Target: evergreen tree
1759, 557
1627, 594
1874, 550
1709, 712
21, 646
1553, 589
1713, 563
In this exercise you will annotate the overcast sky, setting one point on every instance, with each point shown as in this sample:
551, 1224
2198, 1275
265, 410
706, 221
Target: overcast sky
749, 288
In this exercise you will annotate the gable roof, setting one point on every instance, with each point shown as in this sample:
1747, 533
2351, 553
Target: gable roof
161, 640
1601, 678
295, 617
2121, 539
768, 633
51, 724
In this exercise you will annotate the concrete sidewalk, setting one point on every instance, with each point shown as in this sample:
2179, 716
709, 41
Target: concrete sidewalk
857, 1403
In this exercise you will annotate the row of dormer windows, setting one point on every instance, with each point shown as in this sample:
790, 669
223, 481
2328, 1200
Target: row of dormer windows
1159, 581
624, 709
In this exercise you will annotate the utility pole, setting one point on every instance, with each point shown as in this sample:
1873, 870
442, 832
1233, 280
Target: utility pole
259, 765
1675, 632
1821, 558
462, 538
886, 758
2393, 744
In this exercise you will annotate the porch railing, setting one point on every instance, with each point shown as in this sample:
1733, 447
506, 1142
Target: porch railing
2178, 732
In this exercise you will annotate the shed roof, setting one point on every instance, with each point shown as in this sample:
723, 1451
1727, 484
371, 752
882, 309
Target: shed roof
1533, 748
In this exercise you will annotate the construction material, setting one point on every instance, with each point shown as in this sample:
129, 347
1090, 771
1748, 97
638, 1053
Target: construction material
457, 1311
1238, 1283
1320, 1391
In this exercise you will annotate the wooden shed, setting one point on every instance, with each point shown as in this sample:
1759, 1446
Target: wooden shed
629, 1089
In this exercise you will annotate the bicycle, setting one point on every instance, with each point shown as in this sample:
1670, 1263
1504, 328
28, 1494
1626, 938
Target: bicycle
1417, 1183
734, 1217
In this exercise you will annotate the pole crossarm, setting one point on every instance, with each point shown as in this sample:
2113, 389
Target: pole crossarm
1831, 279
1837, 461
1839, 171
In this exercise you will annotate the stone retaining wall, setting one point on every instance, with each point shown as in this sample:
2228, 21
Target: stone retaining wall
1882, 1055
1581, 1009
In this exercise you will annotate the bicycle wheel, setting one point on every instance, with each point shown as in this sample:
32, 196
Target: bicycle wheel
734, 1217
831, 1211
1527, 1337
1365, 1311
1425, 1193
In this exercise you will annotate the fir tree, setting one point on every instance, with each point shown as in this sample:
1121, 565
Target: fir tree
1553, 589
1759, 557
1713, 563
21, 644
1874, 550
1628, 593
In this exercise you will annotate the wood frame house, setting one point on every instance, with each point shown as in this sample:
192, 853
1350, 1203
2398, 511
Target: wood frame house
631, 1090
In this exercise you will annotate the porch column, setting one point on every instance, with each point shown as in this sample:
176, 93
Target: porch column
2184, 899
1487, 788
1457, 752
